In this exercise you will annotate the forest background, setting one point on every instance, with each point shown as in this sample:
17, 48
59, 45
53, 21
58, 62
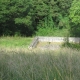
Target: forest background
40, 18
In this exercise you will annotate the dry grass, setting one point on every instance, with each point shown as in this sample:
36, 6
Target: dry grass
22, 64
49, 45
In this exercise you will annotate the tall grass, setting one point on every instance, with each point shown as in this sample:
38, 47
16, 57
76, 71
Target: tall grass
40, 65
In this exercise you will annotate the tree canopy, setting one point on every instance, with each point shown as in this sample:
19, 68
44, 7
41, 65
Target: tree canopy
75, 18
25, 17
75, 12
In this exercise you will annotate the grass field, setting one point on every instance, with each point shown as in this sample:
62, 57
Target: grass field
40, 65
20, 63
12, 42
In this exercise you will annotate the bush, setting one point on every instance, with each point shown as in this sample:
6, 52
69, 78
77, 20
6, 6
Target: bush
51, 32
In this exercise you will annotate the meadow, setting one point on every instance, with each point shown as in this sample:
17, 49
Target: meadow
15, 42
20, 63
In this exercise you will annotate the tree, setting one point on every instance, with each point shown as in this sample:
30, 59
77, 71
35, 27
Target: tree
75, 12
26, 16
14, 17
45, 11
75, 18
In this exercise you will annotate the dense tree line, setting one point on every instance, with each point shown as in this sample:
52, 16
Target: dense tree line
24, 17
75, 18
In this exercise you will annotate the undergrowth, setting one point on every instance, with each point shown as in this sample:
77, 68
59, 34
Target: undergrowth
52, 32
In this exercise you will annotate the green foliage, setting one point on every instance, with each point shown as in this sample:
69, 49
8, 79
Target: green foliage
14, 14
75, 18
75, 30
52, 32
17, 34
26, 21
75, 12
63, 22
25, 16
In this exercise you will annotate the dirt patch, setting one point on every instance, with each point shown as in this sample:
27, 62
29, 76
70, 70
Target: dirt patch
49, 45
